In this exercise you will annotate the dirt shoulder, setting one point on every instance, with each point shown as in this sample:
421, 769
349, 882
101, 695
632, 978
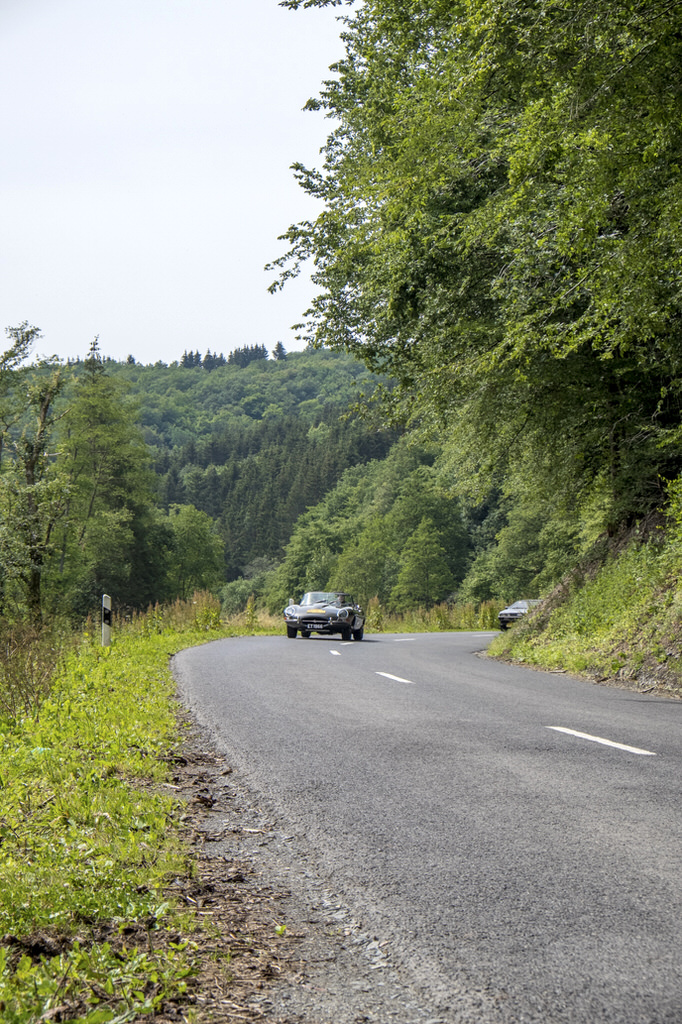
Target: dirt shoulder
276, 943
241, 947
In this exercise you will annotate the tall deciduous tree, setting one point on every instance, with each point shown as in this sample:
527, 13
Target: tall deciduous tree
501, 233
32, 500
197, 561
32, 494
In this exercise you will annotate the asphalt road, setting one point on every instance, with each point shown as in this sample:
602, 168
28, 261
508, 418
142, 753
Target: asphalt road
542, 868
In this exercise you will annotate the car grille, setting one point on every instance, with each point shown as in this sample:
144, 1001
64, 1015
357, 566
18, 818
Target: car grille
313, 621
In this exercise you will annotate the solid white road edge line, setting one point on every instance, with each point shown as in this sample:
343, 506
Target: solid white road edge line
396, 679
600, 739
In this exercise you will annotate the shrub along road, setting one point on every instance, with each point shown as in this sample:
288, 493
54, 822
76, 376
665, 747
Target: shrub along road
504, 870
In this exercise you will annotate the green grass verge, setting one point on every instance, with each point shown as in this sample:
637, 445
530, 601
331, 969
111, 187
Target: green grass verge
89, 837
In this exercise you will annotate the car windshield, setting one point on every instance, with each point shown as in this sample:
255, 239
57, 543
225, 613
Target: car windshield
324, 597
317, 597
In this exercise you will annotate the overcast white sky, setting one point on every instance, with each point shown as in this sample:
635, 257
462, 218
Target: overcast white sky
145, 176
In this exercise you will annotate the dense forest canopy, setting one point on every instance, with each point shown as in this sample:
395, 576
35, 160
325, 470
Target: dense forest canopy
501, 234
388, 530
254, 445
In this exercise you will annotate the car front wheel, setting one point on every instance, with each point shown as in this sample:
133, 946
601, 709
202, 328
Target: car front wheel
358, 633
291, 632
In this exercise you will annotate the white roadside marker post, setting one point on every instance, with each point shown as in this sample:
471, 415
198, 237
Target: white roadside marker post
106, 620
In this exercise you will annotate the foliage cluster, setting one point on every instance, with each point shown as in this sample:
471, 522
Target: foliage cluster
253, 481
395, 529
177, 407
247, 354
254, 447
150, 482
388, 530
79, 516
209, 361
500, 234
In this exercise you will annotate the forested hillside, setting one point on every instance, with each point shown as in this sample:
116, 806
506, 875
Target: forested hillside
388, 530
254, 446
149, 482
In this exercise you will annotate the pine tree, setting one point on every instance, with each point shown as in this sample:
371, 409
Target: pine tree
105, 539
424, 578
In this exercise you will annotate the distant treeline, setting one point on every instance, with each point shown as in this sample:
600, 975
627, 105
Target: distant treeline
237, 357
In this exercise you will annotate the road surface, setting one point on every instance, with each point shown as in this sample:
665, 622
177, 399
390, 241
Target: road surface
508, 832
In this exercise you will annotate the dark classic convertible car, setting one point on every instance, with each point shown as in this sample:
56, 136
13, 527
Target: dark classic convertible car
325, 612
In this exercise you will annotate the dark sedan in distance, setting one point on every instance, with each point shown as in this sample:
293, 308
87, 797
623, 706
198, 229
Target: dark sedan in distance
327, 612
508, 616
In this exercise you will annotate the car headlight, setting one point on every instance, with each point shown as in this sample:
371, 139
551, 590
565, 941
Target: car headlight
343, 614
289, 612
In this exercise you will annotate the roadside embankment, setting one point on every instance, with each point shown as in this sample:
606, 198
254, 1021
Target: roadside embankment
617, 619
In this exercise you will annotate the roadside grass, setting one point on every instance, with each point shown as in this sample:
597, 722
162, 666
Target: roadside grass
378, 619
90, 835
439, 618
202, 612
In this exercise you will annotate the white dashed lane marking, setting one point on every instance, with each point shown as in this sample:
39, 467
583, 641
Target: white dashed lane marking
396, 679
600, 739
